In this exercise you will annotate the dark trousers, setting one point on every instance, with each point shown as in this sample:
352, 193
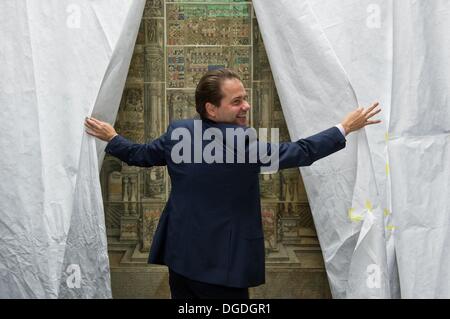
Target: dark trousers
185, 288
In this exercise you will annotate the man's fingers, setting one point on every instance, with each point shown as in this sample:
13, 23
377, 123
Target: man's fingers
368, 116
93, 128
373, 122
374, 105
98, 122
369, 109
93, 123
89, 126
91, 133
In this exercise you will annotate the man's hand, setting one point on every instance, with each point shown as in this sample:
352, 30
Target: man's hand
360, 118
99, 129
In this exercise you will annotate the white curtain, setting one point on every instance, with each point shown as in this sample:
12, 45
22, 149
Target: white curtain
381, 206
60, 61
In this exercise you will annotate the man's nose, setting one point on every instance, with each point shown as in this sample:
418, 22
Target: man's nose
246, 106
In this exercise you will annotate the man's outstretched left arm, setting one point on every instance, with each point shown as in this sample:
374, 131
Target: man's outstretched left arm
145, 155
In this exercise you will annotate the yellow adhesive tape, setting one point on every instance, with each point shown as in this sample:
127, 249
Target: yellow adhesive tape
368, 205
354, 218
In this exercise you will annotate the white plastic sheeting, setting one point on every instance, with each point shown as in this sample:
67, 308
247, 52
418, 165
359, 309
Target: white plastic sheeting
385, 198
60, 61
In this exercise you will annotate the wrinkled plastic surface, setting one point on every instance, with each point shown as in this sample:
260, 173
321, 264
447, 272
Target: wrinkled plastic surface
381, 206
60, 61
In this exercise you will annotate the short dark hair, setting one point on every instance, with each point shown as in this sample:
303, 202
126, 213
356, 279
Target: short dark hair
209, 88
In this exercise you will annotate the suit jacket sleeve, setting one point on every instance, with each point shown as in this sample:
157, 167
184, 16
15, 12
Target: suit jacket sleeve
306, 151
145, 155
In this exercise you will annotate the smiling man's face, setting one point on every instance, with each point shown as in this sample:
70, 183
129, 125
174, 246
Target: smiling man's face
234, 106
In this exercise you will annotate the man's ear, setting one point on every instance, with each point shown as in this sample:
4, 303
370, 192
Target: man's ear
211, 110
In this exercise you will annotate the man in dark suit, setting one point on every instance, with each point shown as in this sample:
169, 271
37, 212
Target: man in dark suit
210, 233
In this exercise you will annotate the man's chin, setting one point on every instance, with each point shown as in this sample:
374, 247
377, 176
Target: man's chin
241, 121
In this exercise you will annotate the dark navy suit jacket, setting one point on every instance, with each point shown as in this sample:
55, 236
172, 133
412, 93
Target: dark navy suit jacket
211, 229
